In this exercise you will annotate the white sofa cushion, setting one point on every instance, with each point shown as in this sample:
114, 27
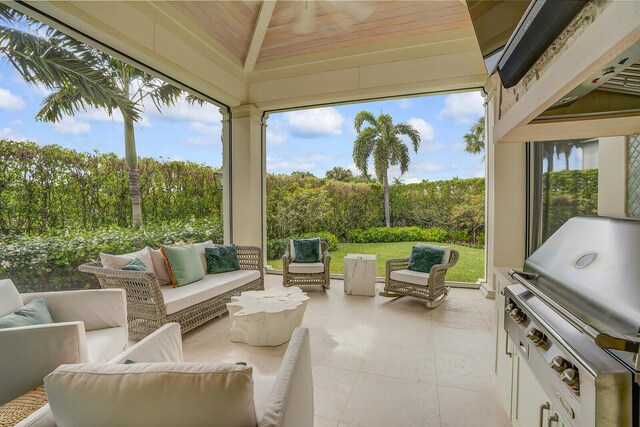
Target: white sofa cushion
152, 394
410, 276
10, 299
119, 261
306, 267
176, 299
105, 344
446, 249
200, 247
262, 387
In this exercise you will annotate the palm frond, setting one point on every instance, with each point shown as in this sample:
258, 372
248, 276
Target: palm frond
363, 148
164, 95
361, 118
43, 61
411, 132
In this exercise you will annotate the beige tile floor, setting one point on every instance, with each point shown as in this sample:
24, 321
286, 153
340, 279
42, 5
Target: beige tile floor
383, 362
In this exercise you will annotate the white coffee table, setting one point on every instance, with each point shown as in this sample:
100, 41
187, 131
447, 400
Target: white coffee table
360, 275
266, 318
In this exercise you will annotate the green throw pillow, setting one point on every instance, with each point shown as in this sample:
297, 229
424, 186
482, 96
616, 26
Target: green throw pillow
306, 250
35, 312
135, 265
183, 263
425, 257
222, 258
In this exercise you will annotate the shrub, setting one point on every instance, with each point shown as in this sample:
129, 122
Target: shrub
50, 261
397, 234
276, 247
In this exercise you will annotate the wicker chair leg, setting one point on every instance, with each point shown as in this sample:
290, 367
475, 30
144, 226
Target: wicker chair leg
438, 301
390, 294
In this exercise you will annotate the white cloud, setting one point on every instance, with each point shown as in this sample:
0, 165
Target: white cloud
404, 103
460, 146
100, 115
12, 134
201, 141
17, 122
183, 111
315, 123
480, 173
463, 108
426, 130
275, 138
72, 126
9, 101
206, 128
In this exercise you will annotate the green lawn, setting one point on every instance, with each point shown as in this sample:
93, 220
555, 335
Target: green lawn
470, 265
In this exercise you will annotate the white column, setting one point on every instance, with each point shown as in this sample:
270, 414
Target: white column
612, 176
506, 199
226, 195
244, 187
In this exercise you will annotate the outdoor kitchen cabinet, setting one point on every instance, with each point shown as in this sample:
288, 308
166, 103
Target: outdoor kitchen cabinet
504, 348
531, 405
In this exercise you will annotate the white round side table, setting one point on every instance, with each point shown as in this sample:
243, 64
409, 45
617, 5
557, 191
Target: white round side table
266, 318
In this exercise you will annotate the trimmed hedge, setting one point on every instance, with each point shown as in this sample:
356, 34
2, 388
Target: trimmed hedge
397, 234
277, 247
50, 262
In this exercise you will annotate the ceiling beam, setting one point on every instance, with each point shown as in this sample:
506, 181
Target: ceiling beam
262, 24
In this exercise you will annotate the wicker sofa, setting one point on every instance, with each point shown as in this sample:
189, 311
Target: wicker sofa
150, 305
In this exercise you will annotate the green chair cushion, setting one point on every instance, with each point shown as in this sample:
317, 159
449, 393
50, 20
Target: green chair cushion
35, 312
222, 258
135, 265
425, 257
306, 250
183, 263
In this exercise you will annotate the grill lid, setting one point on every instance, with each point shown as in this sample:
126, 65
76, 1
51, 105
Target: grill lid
589, 271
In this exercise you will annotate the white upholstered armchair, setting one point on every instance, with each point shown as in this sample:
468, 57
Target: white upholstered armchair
89, 326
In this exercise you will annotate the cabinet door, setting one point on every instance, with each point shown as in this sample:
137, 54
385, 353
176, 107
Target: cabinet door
528, 396
504, 354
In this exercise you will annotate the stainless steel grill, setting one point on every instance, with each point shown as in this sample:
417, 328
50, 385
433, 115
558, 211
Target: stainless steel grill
575, 317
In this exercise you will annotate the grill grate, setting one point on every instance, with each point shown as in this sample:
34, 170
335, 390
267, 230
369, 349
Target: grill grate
633, 175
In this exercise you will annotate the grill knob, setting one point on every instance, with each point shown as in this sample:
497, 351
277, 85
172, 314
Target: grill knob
570, 377
517, 315
509, 307
536, 336
559, 364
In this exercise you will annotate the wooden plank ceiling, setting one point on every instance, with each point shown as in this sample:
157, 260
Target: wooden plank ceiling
230, 23
305, 27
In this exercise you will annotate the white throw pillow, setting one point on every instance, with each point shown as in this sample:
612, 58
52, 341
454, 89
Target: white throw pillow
10, 299
160, 266
119, 261
200, 248
446, 249
152, 394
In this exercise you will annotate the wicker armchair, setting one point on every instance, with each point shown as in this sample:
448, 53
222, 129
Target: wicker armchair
146, 310
433, 291
296, 278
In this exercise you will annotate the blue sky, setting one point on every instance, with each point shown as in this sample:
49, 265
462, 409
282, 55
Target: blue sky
311, 140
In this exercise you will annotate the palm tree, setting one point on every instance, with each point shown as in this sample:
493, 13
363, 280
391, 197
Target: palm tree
78, 77
381, 140
474, 140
